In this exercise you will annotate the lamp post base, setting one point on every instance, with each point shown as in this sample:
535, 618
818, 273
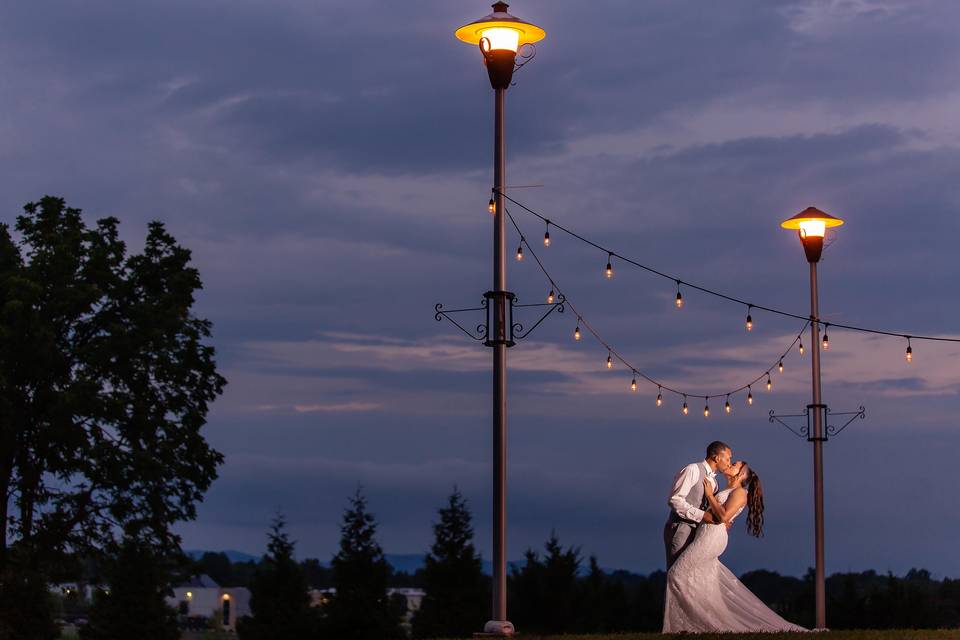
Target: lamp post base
496, 629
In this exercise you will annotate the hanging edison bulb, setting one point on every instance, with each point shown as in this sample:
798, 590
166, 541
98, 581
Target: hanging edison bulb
706, 410
769, 383
492, 206
576, 333
659, 396
801, 347
609, 361
909, 351
519, 252
749, 396
826, 339
749, 319
685, 409
679, 296
609, 270
726, 405
633, 383
546, 236
550, 297
780, 366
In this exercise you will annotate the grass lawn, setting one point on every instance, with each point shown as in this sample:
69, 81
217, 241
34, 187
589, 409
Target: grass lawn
893, 634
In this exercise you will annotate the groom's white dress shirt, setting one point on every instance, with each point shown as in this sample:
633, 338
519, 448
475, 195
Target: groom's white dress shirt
683, 483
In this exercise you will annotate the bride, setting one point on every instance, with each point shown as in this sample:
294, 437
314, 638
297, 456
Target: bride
702, 594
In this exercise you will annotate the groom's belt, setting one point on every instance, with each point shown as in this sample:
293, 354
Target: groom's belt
676, 519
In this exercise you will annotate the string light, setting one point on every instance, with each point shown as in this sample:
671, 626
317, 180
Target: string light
749, 395
609, 269
659, 396
726, 405
706, 408
609, 361
780, 366
769, 383
546, 235
705, 289
801, 345
576, 333
492, 206
749, 318
520, 251
826, 340
550, 297
633, 384
679, 296
909, 351
685, 409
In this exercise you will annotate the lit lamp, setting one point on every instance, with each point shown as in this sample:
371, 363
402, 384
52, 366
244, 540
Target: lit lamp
499, 36
811, 225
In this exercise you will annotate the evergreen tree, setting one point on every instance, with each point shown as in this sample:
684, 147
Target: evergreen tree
279, 598
26, 604
456, 600
135, 605
360, 610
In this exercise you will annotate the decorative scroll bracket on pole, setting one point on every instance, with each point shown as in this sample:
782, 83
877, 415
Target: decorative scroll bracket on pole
805, 430
485, 331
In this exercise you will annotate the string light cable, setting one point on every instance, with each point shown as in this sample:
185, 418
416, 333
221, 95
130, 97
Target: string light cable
614, 355
713, 292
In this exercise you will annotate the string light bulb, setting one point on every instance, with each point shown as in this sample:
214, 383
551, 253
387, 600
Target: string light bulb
726, 405
679, 296
633, 383
546, 235
749, 319
801, 347
609, 270
826, 339
706, 409
685, 409
550, 297
769, 383
659, 396
520, 251
749, 395
780, 366
576, 333
909, 351
492, 206
609, 361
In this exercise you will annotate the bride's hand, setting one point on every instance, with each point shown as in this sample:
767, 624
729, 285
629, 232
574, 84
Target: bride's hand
707, 486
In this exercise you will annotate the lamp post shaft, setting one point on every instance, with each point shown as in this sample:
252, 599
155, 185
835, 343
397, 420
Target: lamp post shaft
499, 372
817, 437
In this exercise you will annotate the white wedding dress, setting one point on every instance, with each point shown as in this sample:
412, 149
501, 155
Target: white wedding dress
703, 596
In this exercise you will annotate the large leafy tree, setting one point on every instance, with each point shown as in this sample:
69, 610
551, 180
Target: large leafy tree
360, 609
456, 603
105, 381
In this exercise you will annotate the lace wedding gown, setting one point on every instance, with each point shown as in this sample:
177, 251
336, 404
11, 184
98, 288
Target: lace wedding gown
703, 596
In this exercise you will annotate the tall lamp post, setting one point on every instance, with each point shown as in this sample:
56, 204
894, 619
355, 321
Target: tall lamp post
499, 35
811, 225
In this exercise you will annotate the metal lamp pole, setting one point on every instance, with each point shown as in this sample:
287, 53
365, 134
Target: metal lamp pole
499, 35
811, 225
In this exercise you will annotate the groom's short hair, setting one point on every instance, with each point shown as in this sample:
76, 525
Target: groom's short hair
715, 448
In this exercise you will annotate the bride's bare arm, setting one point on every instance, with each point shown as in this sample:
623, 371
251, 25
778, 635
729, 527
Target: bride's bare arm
724, 512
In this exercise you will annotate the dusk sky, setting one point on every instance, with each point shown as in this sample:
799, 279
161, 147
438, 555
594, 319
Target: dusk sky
329, 165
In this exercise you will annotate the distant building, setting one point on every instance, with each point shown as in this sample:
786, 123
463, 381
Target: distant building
203, 598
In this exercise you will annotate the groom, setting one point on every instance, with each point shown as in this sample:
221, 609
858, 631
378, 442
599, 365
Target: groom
688, 505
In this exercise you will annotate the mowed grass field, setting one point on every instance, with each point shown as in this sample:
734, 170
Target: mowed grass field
890, 634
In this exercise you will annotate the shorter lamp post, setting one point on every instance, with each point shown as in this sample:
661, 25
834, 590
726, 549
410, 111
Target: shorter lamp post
811, 225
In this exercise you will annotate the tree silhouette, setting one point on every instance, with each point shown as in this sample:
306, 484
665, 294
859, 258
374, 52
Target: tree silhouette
456, 601
360, 609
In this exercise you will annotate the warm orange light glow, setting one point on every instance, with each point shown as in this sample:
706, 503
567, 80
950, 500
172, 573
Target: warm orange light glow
492, 206
749, 323
750, 397
659, 399
550, 297
706, 411
519, 253
726, 406
502, 38
189, 594
801, 348
226, 596
909, 354
609, 270
780, 366
679, 300
576, 333
813, 229
609, 362
826, 342
546, 239
633, 385
503, 30
769, 383
686, 409
811, 222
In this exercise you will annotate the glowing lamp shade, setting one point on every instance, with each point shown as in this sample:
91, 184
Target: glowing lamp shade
811, 223
502, 30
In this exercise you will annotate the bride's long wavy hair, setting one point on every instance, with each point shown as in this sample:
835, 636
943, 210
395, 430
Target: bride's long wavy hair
751, 482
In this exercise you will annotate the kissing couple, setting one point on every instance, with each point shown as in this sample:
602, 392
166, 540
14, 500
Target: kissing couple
702, 594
